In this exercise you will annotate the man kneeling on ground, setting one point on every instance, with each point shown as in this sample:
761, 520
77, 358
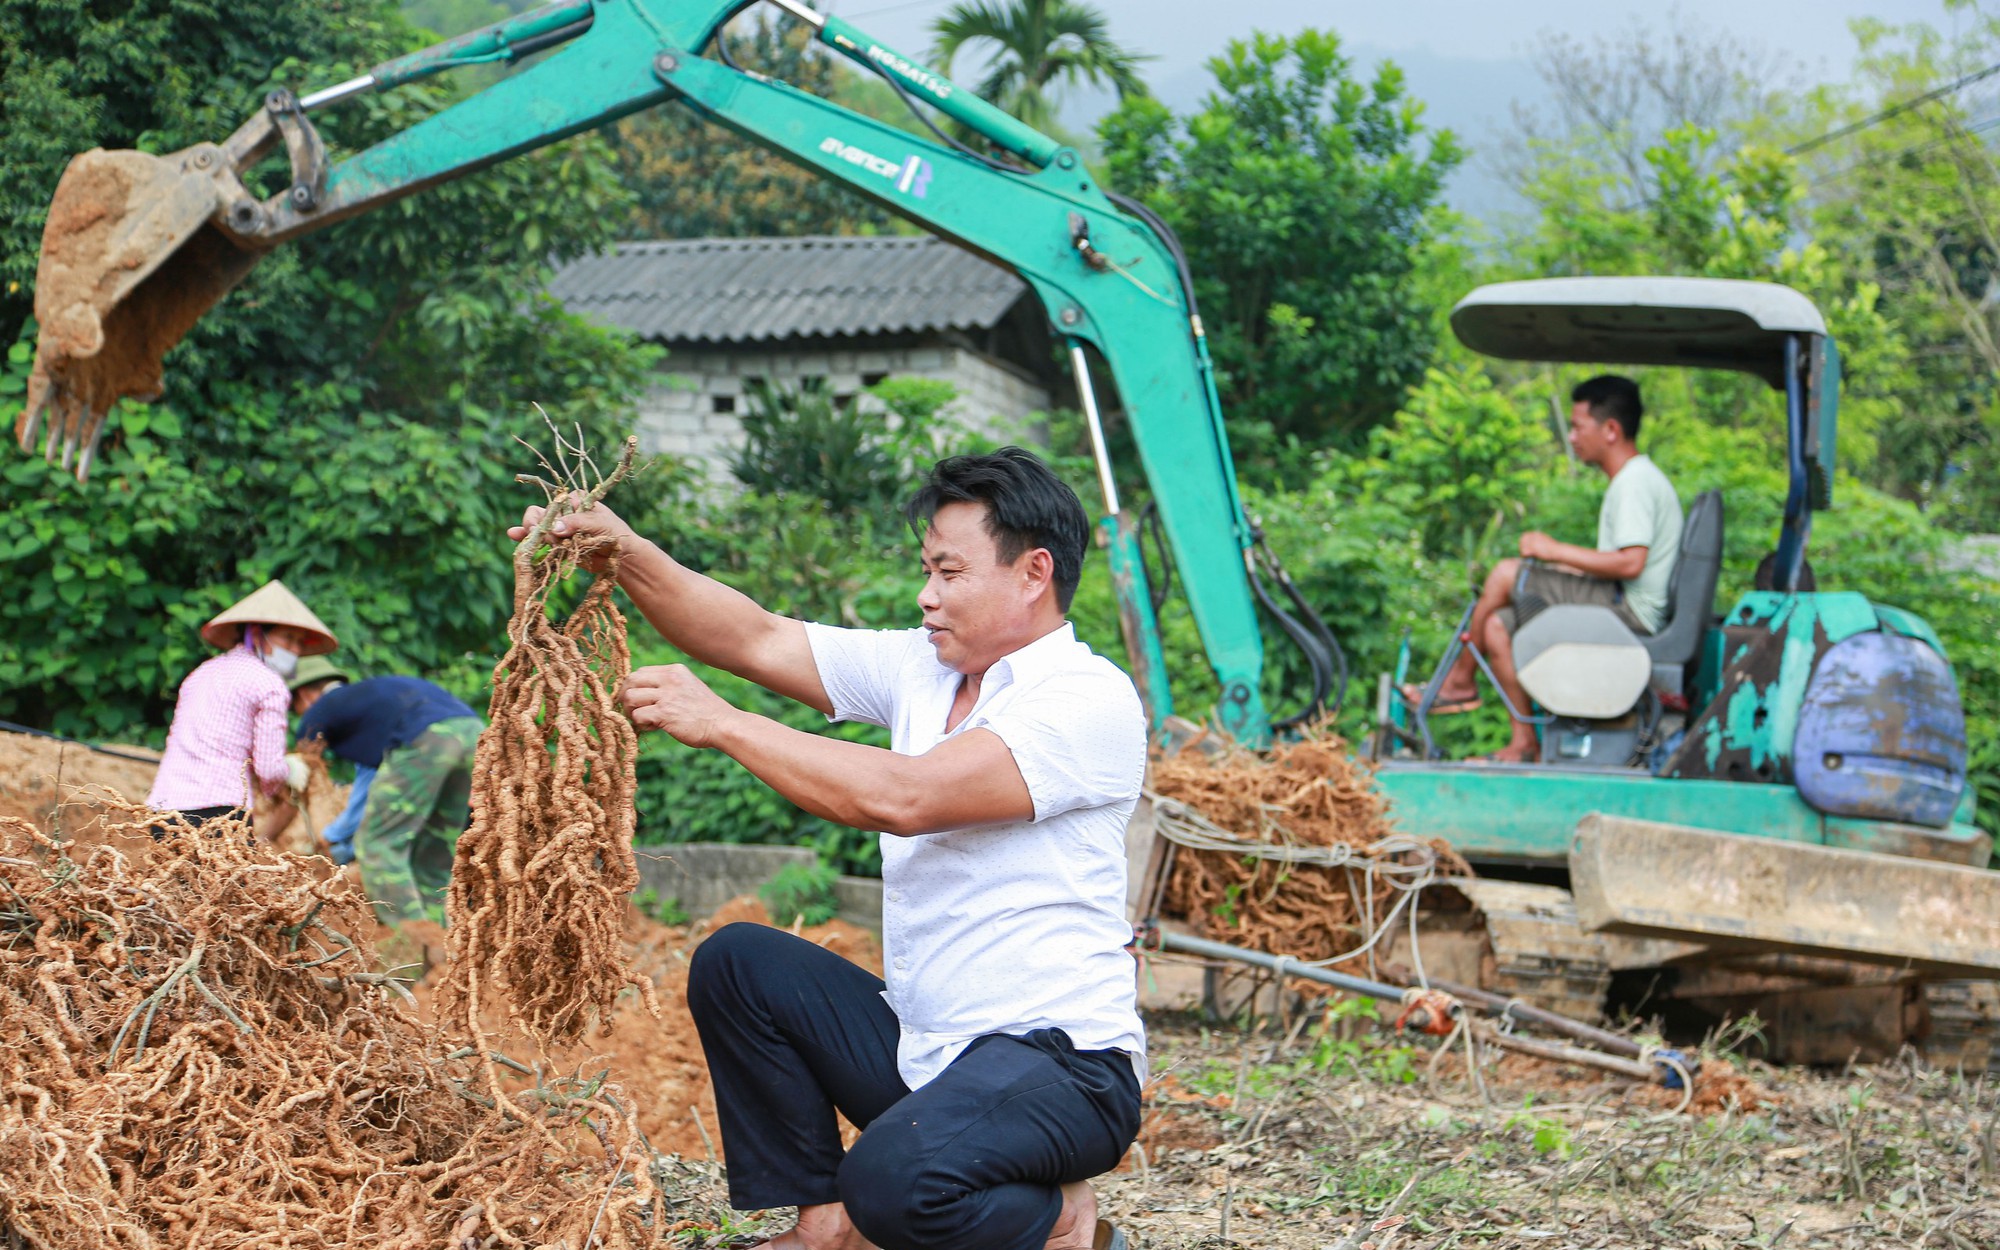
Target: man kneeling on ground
999, 1066
1638, 542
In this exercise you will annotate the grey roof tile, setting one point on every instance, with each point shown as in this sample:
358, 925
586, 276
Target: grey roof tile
750, 290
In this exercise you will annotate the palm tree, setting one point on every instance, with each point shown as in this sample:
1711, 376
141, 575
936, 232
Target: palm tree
1037, 44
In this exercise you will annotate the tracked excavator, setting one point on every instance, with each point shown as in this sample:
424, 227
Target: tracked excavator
1767, 808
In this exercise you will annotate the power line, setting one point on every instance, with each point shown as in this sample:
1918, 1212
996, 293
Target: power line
1894, 110
1973, 128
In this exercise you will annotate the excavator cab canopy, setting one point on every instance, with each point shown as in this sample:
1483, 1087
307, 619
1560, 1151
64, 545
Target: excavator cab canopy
1759, 328
1701, 323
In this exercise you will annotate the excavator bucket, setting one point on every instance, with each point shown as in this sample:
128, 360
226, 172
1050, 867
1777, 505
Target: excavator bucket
130, 260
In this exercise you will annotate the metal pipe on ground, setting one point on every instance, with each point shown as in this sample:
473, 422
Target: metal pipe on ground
1514, 1009
1629, 1062
1562, 1052
1279, 964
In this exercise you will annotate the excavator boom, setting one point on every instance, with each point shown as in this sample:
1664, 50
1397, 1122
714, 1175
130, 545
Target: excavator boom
138, 247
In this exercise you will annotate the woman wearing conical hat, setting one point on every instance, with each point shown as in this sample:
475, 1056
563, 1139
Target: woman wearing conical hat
228, 736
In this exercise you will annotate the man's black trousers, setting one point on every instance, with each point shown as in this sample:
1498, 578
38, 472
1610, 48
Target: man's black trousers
971, 1160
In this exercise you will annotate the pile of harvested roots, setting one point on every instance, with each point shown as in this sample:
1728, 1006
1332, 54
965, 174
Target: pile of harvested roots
1246, 885
196, 1049
539, 884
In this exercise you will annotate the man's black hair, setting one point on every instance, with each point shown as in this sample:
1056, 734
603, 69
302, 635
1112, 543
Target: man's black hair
1611, 397
1027, 506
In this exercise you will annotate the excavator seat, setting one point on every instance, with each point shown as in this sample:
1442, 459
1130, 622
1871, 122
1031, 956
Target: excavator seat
1583, 662
1690, 595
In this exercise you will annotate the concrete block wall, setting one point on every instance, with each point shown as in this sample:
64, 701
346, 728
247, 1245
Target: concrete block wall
703, 876
677, 417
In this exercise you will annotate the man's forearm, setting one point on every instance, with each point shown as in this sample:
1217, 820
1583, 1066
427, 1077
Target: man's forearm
1612, 566
844, 782
970, 781
714, 623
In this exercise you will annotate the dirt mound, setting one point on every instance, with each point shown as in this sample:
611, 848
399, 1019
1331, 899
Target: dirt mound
68, 787
54, 785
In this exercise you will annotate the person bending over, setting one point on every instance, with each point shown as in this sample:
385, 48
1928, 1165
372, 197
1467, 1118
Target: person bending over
227, 740
416, 742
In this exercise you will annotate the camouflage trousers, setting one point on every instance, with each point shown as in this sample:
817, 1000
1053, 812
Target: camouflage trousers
419, 804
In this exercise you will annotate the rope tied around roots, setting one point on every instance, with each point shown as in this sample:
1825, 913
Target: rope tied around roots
539, 885
1289, 850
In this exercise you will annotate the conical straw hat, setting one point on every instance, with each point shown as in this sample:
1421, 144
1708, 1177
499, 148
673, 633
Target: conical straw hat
269, 604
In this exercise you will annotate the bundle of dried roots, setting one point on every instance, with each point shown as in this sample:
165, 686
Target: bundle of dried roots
539, 885
315, 808
195, 1050
1309, 793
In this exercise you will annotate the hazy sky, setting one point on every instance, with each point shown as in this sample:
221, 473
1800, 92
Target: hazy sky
1465, 58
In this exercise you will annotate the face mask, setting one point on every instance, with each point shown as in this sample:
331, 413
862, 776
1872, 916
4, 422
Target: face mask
280, 661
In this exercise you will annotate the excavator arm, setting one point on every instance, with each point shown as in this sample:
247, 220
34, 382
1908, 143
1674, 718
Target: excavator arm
120, 288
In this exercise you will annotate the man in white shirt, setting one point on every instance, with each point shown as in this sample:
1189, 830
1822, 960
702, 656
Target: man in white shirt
1638, 543
999, 1066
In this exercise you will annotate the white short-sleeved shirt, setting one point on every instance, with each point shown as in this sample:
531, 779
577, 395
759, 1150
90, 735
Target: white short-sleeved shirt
1007, 928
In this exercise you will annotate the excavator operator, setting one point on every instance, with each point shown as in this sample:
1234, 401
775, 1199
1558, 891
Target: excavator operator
1638, 542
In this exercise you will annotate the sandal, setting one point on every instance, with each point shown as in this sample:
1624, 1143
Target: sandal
1414, 695
1110, 1237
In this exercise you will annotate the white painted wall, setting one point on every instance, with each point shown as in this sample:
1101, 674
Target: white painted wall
678, 416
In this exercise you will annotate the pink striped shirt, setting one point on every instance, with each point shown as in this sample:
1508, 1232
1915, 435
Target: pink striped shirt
230, 714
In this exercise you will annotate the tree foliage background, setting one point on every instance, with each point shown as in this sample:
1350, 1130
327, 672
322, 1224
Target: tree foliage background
1305, 197
346, 420
693, 179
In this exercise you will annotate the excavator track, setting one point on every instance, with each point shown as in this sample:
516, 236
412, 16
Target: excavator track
1539, 954
1965, 1025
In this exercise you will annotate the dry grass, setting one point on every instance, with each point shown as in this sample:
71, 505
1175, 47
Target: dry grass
1344, 1138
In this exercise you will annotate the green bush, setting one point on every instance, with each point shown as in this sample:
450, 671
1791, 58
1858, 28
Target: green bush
344, 420
800, 894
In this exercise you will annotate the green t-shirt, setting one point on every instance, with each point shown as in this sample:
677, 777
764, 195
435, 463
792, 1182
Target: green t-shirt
1641, 510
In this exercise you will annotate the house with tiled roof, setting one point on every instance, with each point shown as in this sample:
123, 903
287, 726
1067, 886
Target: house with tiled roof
837, 313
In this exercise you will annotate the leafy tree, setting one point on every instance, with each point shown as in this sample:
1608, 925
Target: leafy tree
1723, 217
1678, 154
1614, 96
693, 179
1914, 199
1461, 460
856, 459
345, 420
1304, 197
1034, 48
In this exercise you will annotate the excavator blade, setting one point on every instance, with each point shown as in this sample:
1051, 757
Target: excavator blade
1738, 893
130, 260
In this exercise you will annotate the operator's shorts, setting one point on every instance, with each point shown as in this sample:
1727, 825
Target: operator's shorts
1541, 586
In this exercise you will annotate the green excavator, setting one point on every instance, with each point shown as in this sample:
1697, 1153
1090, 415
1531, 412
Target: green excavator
1768, 807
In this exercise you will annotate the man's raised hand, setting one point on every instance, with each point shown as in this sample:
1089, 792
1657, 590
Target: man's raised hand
670, 698
594, 523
